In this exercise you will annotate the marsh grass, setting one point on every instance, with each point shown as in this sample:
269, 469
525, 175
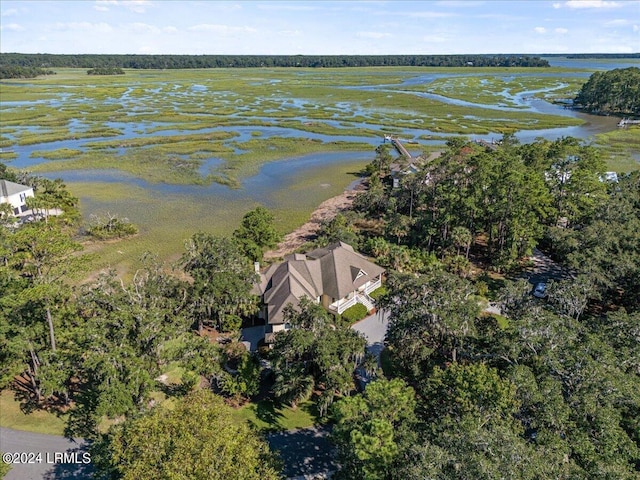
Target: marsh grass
8, 156
258, 151
200, 139
621, 146
166, 221
72, 104
61, 153
168, 163
36, 138
492, 90
346, 128
145, 163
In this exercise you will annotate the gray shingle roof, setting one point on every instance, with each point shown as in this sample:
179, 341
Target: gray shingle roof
8, 188
335, 271
340, 268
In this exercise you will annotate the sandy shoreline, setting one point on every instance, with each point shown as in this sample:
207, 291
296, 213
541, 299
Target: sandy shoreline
308, 231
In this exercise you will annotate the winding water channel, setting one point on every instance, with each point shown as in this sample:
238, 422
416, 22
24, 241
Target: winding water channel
267, 186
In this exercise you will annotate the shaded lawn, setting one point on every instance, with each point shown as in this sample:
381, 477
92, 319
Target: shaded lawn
269, 416
13, 415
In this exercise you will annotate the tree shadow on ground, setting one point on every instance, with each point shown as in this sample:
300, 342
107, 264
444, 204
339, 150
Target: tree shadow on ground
312, 409
266, 411
305, 452
174, 389
23, 393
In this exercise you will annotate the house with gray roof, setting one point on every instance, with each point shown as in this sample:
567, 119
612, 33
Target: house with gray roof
15, 195
336, 276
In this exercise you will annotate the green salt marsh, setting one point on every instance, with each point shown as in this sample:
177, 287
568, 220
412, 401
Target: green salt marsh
167, 138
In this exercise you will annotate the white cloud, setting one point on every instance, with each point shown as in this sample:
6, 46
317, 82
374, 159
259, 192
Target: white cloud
557, 5
373, 35
9, 12
223, 30
592, 4
139, 27
103, 5
137, 6
561, 30
636, 28
540, 30
83, 26
12, 27
426, 14
618, 22
170, 29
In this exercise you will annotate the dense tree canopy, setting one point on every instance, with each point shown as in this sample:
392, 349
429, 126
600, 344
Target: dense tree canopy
366, 429
505, 197
222, 279
20, 71
316, 353
239, 61
613, 91
256, 233
105, 71
547, 389
197, 439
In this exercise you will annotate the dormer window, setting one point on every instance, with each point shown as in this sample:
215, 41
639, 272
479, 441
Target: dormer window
361, 273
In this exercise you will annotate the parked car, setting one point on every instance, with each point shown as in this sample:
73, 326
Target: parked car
539, 290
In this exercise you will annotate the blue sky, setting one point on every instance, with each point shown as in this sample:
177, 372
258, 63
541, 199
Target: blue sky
320, 27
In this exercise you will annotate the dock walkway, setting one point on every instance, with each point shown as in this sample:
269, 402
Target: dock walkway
398, 146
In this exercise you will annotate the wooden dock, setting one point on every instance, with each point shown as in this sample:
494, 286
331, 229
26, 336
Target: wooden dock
398, 146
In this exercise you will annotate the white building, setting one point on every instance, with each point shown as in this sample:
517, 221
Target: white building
15, 195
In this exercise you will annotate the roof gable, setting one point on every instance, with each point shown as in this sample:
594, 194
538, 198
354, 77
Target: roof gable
344, 270
8, 188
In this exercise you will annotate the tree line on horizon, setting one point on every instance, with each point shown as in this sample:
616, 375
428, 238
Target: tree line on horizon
249, 61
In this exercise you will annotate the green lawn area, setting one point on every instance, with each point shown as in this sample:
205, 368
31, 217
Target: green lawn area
378, 292
38, 421
267, 416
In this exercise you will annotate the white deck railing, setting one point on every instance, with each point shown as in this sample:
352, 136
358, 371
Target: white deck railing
342, 306
374, 286
362, 298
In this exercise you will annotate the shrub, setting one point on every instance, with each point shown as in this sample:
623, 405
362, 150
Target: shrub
482, 288
110, 226
355, 313
230, 323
